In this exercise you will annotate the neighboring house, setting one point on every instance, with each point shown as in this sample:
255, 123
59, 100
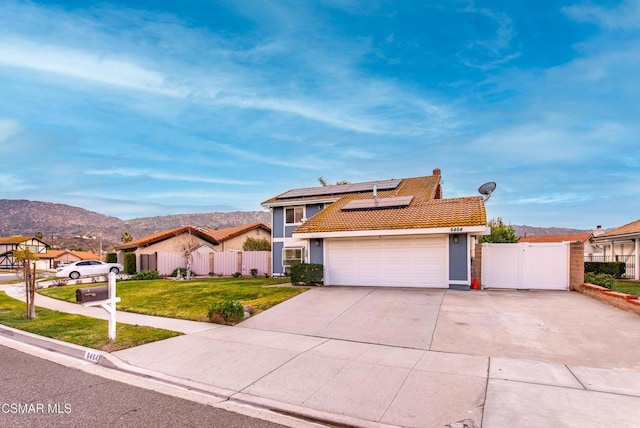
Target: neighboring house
54, 257
204, 242
397, 232
621, 245
9, 244
587, 238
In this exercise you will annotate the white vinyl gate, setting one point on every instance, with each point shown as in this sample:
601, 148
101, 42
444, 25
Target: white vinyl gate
543, 266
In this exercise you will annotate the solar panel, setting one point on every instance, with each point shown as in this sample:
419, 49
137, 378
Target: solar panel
378, 203
341, 188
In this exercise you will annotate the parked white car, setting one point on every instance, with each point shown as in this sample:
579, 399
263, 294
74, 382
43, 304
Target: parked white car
87, 268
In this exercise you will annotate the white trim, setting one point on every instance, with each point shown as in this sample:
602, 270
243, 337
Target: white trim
300, 202
459, 282
481, 230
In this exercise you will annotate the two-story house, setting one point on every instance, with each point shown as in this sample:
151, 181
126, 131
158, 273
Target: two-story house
396, 232
9, 244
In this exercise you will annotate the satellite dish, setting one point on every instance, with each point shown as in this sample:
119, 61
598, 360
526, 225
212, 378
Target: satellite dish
486, 189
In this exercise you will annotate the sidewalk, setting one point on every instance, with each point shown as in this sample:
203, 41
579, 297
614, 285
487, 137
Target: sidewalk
361, 384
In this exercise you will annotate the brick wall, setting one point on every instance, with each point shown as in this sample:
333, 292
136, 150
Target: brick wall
576, 265
476, 266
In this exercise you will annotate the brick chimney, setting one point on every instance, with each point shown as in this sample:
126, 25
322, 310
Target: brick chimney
436, 171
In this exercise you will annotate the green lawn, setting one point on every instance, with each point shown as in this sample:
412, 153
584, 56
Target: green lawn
189, 299
78, 329
629, 287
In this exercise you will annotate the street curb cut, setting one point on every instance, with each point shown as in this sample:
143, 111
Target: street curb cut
306, 413
110, 361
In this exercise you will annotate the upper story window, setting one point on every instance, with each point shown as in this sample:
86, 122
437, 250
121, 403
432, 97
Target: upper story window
293, 215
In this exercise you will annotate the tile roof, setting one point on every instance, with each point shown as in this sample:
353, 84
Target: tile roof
422, 212
82, 255
213, 236
632, 228
582, 237
227, 233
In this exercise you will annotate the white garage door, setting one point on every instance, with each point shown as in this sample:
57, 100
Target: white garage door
418, 261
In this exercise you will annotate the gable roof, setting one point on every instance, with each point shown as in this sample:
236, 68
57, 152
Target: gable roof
632, 228
82, 255
582, 237
14, 240
421, 211
222, 235
212, 236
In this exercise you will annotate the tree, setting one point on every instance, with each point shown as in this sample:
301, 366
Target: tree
255, 244
22, 255
500, 233
126, 237
325, 183
39, 235
23, 258
186, 244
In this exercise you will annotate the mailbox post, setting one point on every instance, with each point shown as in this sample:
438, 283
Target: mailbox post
105, 297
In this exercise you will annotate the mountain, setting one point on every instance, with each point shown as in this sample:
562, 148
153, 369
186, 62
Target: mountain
522, 230
71, 227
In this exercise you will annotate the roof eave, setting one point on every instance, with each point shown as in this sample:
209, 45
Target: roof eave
473, 230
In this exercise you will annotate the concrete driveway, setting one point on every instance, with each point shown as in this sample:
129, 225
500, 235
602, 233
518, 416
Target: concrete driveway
552, 326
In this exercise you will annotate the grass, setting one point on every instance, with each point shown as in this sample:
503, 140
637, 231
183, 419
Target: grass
189, 299
78, 329
629, 287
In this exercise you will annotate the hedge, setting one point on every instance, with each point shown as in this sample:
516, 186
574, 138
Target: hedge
111, 258
615, 269
308, 273
130, 263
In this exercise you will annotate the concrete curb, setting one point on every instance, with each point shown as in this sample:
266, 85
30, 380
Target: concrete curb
113, 362
312, 415
54, 345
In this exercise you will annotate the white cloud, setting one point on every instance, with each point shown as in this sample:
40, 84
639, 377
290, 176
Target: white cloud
626, 16
100, 68
11, 183
8, 128
124, 172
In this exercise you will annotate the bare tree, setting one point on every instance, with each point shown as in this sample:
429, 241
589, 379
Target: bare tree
30, 288
186, 244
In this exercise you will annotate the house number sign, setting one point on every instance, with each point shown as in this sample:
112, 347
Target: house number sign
457, 229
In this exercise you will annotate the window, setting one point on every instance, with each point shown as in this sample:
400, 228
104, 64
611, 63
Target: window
293, 215
293, 255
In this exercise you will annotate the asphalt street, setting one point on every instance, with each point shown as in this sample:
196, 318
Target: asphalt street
37, 392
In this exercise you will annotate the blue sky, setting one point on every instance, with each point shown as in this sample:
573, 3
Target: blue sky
143, 108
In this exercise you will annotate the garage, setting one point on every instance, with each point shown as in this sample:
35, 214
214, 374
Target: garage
391, 261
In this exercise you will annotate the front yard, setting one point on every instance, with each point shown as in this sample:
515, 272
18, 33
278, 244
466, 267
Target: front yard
626, 286
190, 299
78, 329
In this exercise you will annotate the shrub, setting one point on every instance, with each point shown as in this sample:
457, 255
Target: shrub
111, 258
308, 273
254, 272
256, 244
145, 274
237, 275
130, 263
615, 269
601, 279
228, 312
183, 272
